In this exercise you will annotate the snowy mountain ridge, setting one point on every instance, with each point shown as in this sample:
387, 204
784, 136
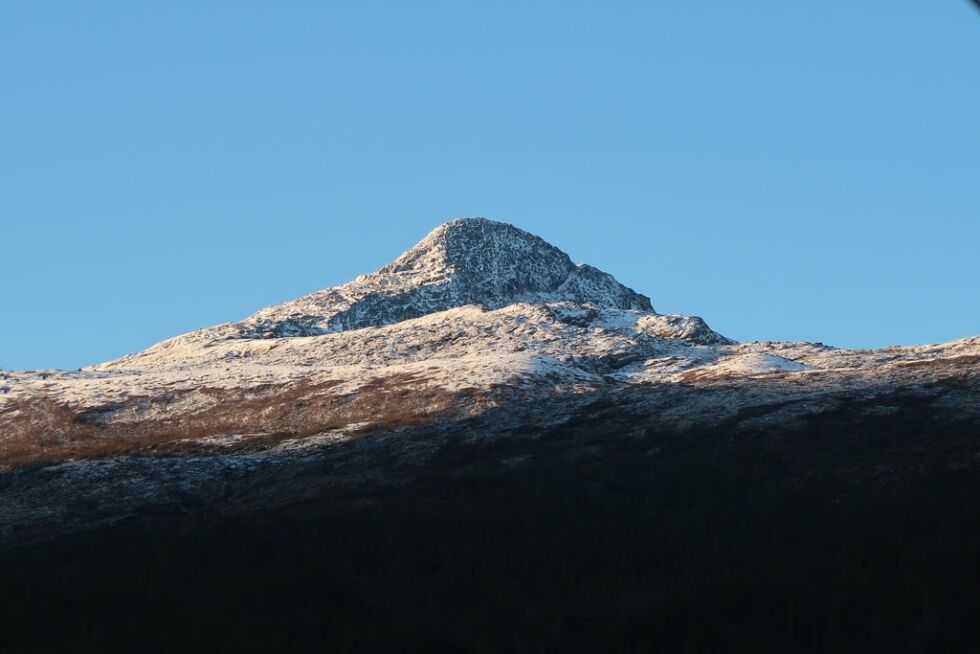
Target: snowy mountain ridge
465, 261
476, 304
469, 271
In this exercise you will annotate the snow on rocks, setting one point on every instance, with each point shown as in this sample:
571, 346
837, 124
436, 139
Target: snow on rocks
465, 261
476, 306
752, 363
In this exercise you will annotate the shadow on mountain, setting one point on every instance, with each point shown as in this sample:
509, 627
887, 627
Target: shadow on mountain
848, 536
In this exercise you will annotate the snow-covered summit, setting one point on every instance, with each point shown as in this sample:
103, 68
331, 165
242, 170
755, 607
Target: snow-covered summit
480, 278
465, 261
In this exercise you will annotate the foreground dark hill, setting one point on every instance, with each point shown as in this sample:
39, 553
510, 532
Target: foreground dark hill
849, 535
485, 447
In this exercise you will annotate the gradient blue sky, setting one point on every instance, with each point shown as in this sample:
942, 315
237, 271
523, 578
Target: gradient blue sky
787, 170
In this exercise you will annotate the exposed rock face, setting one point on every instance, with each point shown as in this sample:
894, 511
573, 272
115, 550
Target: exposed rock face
689, 328
466, 261
479, 332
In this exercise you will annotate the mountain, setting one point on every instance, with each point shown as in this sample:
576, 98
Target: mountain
480, 321
484, 446
463, 262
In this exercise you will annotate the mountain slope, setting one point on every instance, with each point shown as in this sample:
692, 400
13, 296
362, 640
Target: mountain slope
462, 262
468, 261
480, 332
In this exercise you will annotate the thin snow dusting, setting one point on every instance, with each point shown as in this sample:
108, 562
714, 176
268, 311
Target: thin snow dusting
476, 305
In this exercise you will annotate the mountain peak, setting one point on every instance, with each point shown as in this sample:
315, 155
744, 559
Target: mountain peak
464, 261
471, 246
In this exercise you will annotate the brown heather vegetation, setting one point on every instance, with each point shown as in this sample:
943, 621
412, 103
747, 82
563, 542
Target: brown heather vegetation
38, 430
961, 360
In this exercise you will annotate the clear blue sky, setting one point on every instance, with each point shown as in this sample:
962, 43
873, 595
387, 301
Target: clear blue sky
787, 170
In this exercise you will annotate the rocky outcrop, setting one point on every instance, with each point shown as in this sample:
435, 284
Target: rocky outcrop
465, 261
